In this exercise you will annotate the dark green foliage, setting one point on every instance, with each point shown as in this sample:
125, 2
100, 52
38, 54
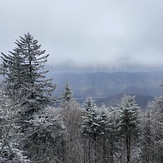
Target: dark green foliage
24, 78
67, 97
128, 125
67, 93
30, 93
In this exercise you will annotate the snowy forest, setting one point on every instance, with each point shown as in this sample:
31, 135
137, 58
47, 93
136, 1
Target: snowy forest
35, 130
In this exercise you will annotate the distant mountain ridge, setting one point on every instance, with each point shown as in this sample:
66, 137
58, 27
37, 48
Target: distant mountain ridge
108, 88
102, 84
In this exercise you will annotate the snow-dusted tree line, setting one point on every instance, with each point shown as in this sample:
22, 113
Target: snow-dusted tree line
33, 129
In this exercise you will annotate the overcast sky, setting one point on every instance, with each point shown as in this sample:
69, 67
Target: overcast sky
94, 35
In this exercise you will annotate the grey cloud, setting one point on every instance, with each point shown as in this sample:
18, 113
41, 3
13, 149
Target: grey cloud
95, 35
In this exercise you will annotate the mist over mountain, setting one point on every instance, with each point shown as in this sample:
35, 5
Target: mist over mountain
101, 84
109, 87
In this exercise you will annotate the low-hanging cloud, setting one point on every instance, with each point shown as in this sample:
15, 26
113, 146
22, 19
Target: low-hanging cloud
88, 34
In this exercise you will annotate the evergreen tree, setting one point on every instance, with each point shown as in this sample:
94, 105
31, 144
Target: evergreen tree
93, 124
25, 83
147, 141
128, 125
29, 92
112, 135
156, 123
67, 93
46, 137
94, 121
9, 151
67, 97
89, 105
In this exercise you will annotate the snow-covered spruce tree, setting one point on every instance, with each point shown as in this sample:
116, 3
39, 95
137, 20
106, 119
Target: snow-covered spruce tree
49, 133
9, 151
24, 73
71, 114
72, 148
128, 125
156, 129
147, 141
112, 145
24, 78
67, 93
93, 125
67, 97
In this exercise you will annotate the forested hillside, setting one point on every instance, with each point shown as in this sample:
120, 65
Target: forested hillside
34, 129
109, 84
108, 88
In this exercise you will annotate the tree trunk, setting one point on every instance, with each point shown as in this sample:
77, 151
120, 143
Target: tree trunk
89, 151
95, 150
128, 144
104, 150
